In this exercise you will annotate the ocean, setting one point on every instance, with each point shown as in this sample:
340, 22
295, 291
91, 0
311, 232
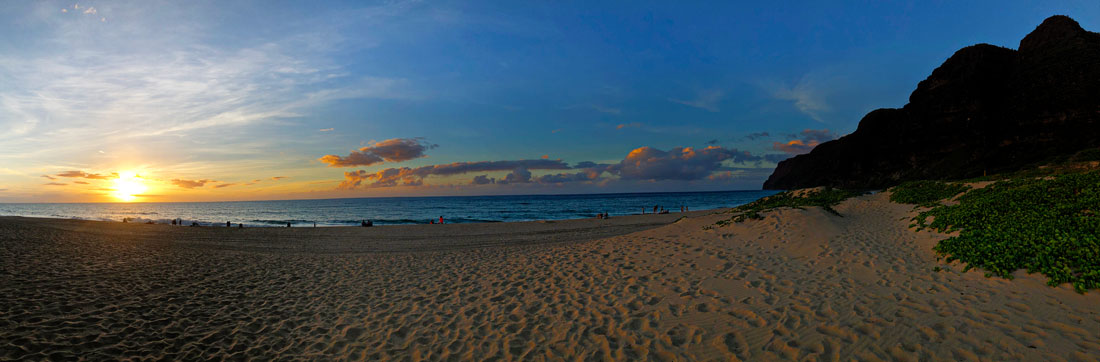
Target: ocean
389, 210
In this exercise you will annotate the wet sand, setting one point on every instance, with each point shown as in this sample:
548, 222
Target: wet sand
800, 284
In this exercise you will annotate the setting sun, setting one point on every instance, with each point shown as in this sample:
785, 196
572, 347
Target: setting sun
128, 186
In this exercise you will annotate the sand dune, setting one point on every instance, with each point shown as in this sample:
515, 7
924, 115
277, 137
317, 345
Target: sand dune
798, 284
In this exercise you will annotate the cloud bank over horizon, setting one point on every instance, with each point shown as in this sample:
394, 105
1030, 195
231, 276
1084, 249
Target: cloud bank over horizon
647, 164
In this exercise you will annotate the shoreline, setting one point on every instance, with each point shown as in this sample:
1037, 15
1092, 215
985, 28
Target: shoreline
256, 224
378, 238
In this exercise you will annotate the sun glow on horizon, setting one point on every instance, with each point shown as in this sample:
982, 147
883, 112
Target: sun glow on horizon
128, 186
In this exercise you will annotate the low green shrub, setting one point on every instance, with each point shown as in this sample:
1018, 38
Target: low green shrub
926, 193
825, 198
1048, 225
1088, 155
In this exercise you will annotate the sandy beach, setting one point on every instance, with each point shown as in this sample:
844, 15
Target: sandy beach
799, 284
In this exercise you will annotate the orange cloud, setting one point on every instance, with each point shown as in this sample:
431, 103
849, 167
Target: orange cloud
805, 142
86, 175
391, 150
794, 146
679, 163
190, 184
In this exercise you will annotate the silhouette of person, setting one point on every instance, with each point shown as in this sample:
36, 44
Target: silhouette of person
227, 224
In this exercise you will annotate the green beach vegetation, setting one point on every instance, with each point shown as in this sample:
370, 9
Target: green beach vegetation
926, 193
1046, 224
825, 198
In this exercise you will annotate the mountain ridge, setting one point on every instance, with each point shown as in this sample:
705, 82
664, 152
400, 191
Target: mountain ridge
986, 109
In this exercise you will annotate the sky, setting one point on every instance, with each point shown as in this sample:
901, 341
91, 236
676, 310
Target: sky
155, 101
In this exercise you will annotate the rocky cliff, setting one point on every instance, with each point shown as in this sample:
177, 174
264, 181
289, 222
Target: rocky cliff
985, 109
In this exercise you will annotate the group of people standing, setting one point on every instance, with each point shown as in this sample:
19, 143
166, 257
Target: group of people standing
180, 222
657, 209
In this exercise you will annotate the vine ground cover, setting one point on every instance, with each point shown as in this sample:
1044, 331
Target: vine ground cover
1048, 225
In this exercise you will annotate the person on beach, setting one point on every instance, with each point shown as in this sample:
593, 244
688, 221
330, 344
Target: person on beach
227, 224
363, 223
655, 208
240, 226
440, 219
288, 224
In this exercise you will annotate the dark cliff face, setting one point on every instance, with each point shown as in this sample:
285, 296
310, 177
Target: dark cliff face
985, 109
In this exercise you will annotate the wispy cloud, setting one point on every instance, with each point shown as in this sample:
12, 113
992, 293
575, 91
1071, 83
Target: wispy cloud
628, 125
707, 100
147, 81
809, 94
82, 174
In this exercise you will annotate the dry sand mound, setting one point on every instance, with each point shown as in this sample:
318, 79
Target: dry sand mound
798, 284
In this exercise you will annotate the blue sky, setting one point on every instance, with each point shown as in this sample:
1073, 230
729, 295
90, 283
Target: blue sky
236, 93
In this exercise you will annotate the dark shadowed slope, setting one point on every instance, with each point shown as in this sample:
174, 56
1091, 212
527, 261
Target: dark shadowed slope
986, 109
